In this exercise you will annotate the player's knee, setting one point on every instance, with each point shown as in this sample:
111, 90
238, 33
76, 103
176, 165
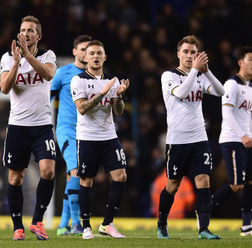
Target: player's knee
172, 190
86, 182
123, 177
202, 181
16, 181
73, 172
47, 169
236, 188
16, 178
172, 186
120, 177
48, 174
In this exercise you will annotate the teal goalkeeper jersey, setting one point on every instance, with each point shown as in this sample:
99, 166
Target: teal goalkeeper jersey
67, 115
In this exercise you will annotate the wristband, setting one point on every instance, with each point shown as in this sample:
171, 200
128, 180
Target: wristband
121, 97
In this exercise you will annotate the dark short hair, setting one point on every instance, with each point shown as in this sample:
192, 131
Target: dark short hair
35, 20
190, 39
95, 43
243, 51
81, 38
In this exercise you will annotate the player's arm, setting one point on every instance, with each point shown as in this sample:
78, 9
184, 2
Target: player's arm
216, 88
8, 79
84, 105
182, 90
46, 71
118, 103
118, 106
199, 60
228, 116
246, 140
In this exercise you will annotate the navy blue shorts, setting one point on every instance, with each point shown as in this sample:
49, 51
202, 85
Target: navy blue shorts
21, 141
90, 154
238, 160
249, 165
188, 159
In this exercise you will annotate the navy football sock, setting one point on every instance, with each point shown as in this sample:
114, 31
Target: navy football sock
221, 195
246, 205
15, 200
43, 197
202, 206
165, 203
85, 205
114, 201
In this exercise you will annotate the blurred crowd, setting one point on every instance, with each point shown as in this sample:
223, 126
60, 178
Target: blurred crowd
140, 39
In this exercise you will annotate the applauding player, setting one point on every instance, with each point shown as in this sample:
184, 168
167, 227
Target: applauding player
26, 74
96, 95
187, 149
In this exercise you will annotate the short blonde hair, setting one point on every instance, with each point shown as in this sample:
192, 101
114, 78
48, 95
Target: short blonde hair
35, 20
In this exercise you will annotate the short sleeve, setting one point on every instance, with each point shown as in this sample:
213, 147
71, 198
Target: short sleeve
6, 63
169, 82
78, 88
50, 58
231, 90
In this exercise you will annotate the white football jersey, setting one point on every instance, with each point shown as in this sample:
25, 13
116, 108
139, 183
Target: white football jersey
185, 122
30, 96
238, 94
97, 124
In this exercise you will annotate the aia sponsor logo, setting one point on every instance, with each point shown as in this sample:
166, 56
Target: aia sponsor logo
29, 79
194, 96
104, 100
247, 105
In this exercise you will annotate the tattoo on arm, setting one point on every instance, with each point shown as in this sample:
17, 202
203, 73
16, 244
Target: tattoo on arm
92, 102
97, 98
118, 107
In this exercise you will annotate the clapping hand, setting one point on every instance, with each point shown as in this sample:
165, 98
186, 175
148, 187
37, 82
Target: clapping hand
22, 44
200, 61
123, 86
15, 52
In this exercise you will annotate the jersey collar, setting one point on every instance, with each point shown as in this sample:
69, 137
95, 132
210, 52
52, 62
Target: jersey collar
93, 76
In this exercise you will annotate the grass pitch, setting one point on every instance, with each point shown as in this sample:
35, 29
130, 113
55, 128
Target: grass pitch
134, 238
